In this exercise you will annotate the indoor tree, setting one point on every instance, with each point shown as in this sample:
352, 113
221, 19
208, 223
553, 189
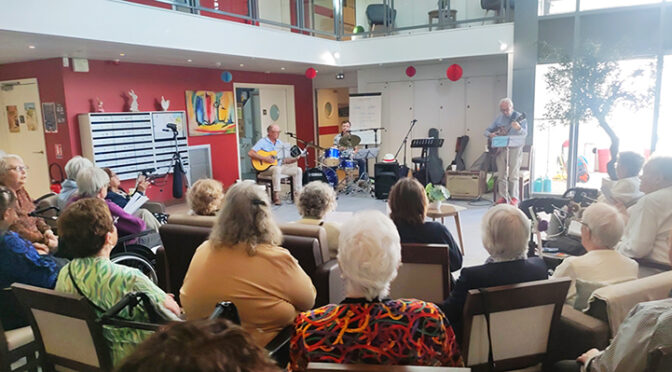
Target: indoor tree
590, 86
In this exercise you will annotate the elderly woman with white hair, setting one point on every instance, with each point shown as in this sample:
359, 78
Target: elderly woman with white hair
13, 175
69, 186
92, 183
315, 201
367, 328
505, 233
242, 262
602, 227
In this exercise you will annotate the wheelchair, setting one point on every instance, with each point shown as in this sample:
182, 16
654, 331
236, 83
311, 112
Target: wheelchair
128, 252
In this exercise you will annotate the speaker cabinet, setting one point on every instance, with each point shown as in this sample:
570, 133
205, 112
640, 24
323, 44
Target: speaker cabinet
386, 175
313, 174
465, 184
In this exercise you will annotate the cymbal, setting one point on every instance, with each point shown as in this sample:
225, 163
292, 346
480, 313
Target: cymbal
350, 141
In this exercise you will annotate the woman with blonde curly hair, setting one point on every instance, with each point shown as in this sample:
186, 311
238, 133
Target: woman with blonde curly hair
205, 197
241, 262
316, 200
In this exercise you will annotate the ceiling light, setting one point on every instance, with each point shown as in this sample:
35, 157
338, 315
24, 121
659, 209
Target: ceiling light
122, 54
188, 60
440, 59
268, 72
503, 46
340, 76
337, 55
282, 68
31, 46
218, 64
242, 65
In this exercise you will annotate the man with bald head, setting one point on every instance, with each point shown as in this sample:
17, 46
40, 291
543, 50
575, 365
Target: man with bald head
272, 143
650, 219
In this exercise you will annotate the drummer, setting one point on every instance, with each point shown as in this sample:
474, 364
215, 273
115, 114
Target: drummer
346, 152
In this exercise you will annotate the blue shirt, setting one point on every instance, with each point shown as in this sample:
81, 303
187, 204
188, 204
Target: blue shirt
68, 190
265, 144
20, 263
503, 121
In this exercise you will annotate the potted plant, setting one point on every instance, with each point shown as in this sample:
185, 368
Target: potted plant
435, 195
358, 31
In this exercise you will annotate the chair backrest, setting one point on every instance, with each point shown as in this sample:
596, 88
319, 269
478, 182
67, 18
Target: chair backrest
180, 243
306, 250
49, 200
326, 367
189, 220
613, 302
431, 262
66, 330
528, 157
526, 313
309, 231
376, 14
660, 359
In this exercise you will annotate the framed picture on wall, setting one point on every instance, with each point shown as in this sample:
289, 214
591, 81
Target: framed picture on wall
210, 112
49, 116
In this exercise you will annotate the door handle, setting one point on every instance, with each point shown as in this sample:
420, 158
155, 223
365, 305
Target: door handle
39, 152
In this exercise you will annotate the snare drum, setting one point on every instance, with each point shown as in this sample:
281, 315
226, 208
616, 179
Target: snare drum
331, 157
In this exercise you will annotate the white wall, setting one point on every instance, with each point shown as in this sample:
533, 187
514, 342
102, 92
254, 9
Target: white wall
467, 106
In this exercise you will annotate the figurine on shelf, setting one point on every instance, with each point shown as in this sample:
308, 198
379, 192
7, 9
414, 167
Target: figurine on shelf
134, 101
164, 103
100, 105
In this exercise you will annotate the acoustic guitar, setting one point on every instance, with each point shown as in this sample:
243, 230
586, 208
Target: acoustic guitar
261, 166
503, 131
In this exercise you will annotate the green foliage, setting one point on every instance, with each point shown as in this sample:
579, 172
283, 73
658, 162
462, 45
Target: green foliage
590, 86
436, 193
358, 30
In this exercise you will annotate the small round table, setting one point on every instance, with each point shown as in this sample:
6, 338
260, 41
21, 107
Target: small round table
448, 210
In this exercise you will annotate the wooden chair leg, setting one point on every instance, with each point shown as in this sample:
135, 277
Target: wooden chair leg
459, 232
291, 187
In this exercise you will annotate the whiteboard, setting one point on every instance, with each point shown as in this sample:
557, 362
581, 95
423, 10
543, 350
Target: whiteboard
366, 112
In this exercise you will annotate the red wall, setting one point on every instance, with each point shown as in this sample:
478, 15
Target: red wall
110, 82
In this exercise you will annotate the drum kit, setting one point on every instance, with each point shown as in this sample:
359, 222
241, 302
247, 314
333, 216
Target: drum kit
338, 165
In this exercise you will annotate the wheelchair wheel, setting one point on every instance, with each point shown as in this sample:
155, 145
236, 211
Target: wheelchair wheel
136, 261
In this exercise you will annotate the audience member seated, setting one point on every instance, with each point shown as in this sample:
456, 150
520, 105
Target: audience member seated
20, 262
625, 190
647, 327
505, 231
119, 196
408, 209
87, 228
367, 328
315, 201
205, 197
601, 229
650, 220
13, 175
242, 263
69, 186
92, 183
199, 346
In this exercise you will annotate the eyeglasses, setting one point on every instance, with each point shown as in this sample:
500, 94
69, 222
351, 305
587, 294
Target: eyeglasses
20, 168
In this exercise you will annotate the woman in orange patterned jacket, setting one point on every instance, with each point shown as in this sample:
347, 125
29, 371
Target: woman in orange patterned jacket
366, 327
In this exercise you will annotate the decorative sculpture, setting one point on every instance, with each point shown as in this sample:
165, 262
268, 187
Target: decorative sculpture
134, 101
164, 103
100, 105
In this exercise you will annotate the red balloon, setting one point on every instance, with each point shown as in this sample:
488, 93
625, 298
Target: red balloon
454, 72
311, 73
410, 71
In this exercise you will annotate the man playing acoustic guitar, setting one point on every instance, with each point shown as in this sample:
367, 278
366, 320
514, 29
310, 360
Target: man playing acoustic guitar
266, 156
508, 123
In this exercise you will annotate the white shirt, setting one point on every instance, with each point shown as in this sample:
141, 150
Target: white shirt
648, 227
625, 190
648, 326
602, 265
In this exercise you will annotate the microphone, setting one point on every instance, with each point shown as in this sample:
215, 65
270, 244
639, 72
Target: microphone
171, 126
413, 121
290, 134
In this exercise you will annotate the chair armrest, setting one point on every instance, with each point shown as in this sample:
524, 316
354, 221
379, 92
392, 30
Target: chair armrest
280, 340
154, 207
48, 195
321, 281
576, 333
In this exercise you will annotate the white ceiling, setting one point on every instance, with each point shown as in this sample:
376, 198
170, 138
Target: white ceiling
14, 47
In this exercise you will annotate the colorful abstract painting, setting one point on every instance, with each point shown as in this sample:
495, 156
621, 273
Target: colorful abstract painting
210, 112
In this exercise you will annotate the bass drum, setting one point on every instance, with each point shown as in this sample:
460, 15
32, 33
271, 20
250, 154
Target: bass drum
325, 174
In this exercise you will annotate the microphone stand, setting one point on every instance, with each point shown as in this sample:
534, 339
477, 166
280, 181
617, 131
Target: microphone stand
403, 143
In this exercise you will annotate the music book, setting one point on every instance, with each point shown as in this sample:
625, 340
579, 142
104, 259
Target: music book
137, 201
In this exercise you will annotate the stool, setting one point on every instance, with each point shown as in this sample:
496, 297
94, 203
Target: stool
268, 182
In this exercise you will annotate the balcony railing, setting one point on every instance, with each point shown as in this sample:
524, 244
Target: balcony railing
347, 19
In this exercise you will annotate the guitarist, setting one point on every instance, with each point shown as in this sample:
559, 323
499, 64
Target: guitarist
508, 123
272, 143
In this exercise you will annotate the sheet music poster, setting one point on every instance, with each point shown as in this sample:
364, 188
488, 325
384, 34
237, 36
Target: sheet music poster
366, 112
160, 119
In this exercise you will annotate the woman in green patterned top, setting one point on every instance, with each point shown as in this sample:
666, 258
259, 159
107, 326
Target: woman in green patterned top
87, 227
